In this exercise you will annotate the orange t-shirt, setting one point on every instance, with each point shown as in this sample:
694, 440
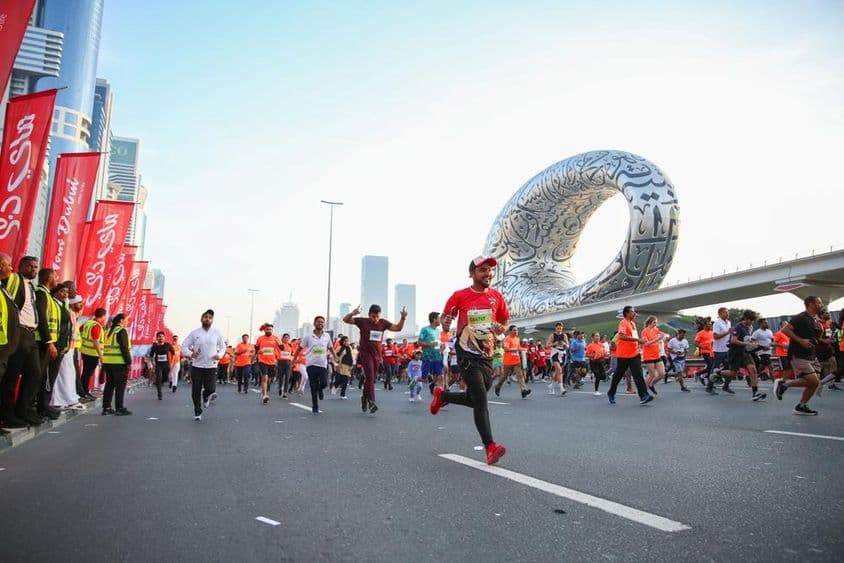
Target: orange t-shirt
268, 349
705, 339
243, 355
595, 351
287, 351
512, 358
781, 342
650, 351
226, 359
627, 348
176, 357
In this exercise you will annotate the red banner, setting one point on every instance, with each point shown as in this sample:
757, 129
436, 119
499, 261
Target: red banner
103, 247
117, 279
119, 305
14, 17
73, 187
25, 134
143, 319
134, 288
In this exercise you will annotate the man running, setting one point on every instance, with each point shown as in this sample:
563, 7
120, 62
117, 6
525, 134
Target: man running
432, 356
678, 347
372, 329
739, 356
160, 353
269, 352
803, 331
763, 337
318, 350
175, 364
481, 314
722, 329
627, 351
204, 346
512, 363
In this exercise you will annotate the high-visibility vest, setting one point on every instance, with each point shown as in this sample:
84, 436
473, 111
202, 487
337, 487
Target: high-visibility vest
54, 315
111, 348
13, 284
87, 346
4, 321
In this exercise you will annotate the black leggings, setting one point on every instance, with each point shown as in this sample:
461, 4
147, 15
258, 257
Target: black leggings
161, 371
635, 366
317, 380
389, 373
283, 370
477, 375
243, 374
598, 372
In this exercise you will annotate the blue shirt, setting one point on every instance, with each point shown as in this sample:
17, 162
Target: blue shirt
577, 349
414, 369
431, 353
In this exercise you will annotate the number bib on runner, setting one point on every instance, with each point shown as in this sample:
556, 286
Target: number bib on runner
286, 355
318, 351
375, 335
267, 351
476, 337
161, 358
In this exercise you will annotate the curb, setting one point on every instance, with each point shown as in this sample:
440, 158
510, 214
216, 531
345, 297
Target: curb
18, 436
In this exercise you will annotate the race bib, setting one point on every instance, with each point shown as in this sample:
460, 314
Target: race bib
388, 352
267, 351
161, 358
375, 335
479, 317
286, 355
317, 351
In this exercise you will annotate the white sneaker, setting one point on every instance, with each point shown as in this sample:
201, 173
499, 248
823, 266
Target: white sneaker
212, 397
597, 393
206, 403
344, 398
418, 398
197, 417
411, 399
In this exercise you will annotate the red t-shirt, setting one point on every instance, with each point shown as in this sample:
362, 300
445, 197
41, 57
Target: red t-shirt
371, 335
480, 303
390, 353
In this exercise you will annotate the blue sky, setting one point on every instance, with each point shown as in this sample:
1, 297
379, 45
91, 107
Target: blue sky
425, 118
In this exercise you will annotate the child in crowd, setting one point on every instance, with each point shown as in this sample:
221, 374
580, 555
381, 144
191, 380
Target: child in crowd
414, 376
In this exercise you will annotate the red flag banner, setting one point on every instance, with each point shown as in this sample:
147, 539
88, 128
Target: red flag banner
73, 187
143, 320
128, 261
116, 277
104, 245
25, 134
134, 289
14, 17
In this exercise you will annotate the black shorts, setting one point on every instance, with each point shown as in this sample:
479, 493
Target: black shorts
785, 363
654, 361
764, 359
267, 369
739, 359
579, 365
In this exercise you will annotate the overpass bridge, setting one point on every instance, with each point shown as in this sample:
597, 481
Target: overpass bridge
820, 274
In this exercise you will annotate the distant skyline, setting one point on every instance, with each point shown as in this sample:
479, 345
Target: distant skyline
425, 119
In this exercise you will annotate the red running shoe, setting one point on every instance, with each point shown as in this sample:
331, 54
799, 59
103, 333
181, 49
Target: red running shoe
436, 402
494, 452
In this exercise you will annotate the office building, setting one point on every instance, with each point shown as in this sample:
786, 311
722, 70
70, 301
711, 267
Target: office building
406, 297
374, 273
100, 140
158, 282
79, 22
287, 319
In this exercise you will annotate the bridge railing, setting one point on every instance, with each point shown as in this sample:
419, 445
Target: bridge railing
756, 265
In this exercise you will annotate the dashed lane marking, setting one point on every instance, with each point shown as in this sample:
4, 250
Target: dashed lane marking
617, 509
303, 407
267, 521
497, 403
821, 436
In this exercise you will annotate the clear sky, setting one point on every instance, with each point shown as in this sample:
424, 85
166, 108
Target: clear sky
425, 118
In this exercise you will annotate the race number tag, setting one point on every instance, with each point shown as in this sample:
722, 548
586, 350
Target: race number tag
161, 358
318, 351
286, 355
267, 351
375, 335
479, 318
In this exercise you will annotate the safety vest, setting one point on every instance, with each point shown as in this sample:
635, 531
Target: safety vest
111, 348
54, 315
87, 345
4, 321
13, 284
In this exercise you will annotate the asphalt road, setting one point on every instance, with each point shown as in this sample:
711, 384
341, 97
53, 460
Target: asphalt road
343, 486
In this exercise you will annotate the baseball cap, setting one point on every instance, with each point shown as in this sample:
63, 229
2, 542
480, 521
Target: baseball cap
75, 300
480, 261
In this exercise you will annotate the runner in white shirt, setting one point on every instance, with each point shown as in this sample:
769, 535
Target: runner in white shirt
763, 337
204, 346
318, 350
678, 347
720, 346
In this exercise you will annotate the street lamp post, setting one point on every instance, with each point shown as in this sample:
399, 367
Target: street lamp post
252, 310
331, 205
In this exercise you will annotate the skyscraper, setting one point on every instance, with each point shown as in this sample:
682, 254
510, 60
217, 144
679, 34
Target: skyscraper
124, 174
158, 282
349, 330
79, 22
373, 282
287, 319
101, 136
406, 297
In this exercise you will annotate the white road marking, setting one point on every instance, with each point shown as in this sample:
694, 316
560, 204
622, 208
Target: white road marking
617, 395
2, 469
609, 506
823, 437
478, 448
278, 421
91, 424
303, 407
267, 521
255, 391
497, 403
152, 418
53, 432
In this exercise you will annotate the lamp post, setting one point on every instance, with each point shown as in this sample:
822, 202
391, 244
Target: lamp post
331, 205
252, 310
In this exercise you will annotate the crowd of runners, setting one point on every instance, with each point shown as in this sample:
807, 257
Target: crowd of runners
458, 364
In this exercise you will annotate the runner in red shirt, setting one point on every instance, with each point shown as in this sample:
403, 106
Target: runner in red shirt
481, 314
390, 352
